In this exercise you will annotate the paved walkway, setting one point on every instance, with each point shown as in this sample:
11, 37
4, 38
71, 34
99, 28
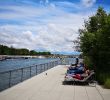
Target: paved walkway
49, 87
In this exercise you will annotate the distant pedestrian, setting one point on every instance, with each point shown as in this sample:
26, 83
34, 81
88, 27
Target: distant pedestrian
77, 61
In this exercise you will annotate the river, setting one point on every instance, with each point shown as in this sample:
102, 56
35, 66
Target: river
11, 64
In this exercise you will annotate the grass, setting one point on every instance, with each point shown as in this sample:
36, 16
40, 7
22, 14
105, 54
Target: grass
104, 79
107, 83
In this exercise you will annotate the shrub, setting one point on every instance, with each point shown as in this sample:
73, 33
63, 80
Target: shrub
101, 77
107, 83
88, 62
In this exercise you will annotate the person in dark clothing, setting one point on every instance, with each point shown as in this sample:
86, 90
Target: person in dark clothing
77, 69
77, 61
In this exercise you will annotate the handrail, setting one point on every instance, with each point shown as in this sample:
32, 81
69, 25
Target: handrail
12, 77
15, 76
26, 67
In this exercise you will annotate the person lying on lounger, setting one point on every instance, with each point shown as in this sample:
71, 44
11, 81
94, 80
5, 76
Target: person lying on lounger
82, 76
77, 69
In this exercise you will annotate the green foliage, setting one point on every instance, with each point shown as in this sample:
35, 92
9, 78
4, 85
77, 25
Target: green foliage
107, 83
101, 77
32, 52
5, 50
88, 62
95, 43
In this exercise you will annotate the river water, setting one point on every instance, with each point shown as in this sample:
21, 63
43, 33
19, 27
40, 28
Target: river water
11, 64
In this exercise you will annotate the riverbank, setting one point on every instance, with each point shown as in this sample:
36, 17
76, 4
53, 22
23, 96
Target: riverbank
4, 57
49, 87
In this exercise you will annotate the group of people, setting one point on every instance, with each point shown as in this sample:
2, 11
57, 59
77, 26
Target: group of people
78, 70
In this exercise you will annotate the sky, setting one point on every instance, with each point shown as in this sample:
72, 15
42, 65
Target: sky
45, 25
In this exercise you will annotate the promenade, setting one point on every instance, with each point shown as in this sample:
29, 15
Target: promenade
49, 87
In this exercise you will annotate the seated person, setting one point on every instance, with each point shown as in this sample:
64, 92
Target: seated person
77, 61
86, 73
83, 75
76, 69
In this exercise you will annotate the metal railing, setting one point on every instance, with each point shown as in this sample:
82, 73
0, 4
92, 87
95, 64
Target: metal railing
12, 77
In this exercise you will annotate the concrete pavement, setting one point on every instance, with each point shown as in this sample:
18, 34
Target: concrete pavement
49, 87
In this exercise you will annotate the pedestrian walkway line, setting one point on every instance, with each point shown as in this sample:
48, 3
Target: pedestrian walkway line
93, 93
80, 93
99, 93
87, 93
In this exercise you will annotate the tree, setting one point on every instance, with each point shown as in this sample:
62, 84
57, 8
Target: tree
32, 52
95, 41
5, 50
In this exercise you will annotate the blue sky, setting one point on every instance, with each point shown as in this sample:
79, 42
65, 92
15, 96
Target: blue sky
45, 24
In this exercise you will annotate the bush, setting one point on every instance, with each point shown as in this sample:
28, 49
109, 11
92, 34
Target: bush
95, 45
88, 62
101, 78
107, 83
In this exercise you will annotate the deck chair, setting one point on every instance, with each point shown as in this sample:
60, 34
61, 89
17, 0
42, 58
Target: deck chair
89, 79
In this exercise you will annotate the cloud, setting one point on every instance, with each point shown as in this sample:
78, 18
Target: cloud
67, 4
45, 2
21, 12
54, 36
88, 3
47, 27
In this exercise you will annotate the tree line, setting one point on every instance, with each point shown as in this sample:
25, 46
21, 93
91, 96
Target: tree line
5, 50
95, 44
